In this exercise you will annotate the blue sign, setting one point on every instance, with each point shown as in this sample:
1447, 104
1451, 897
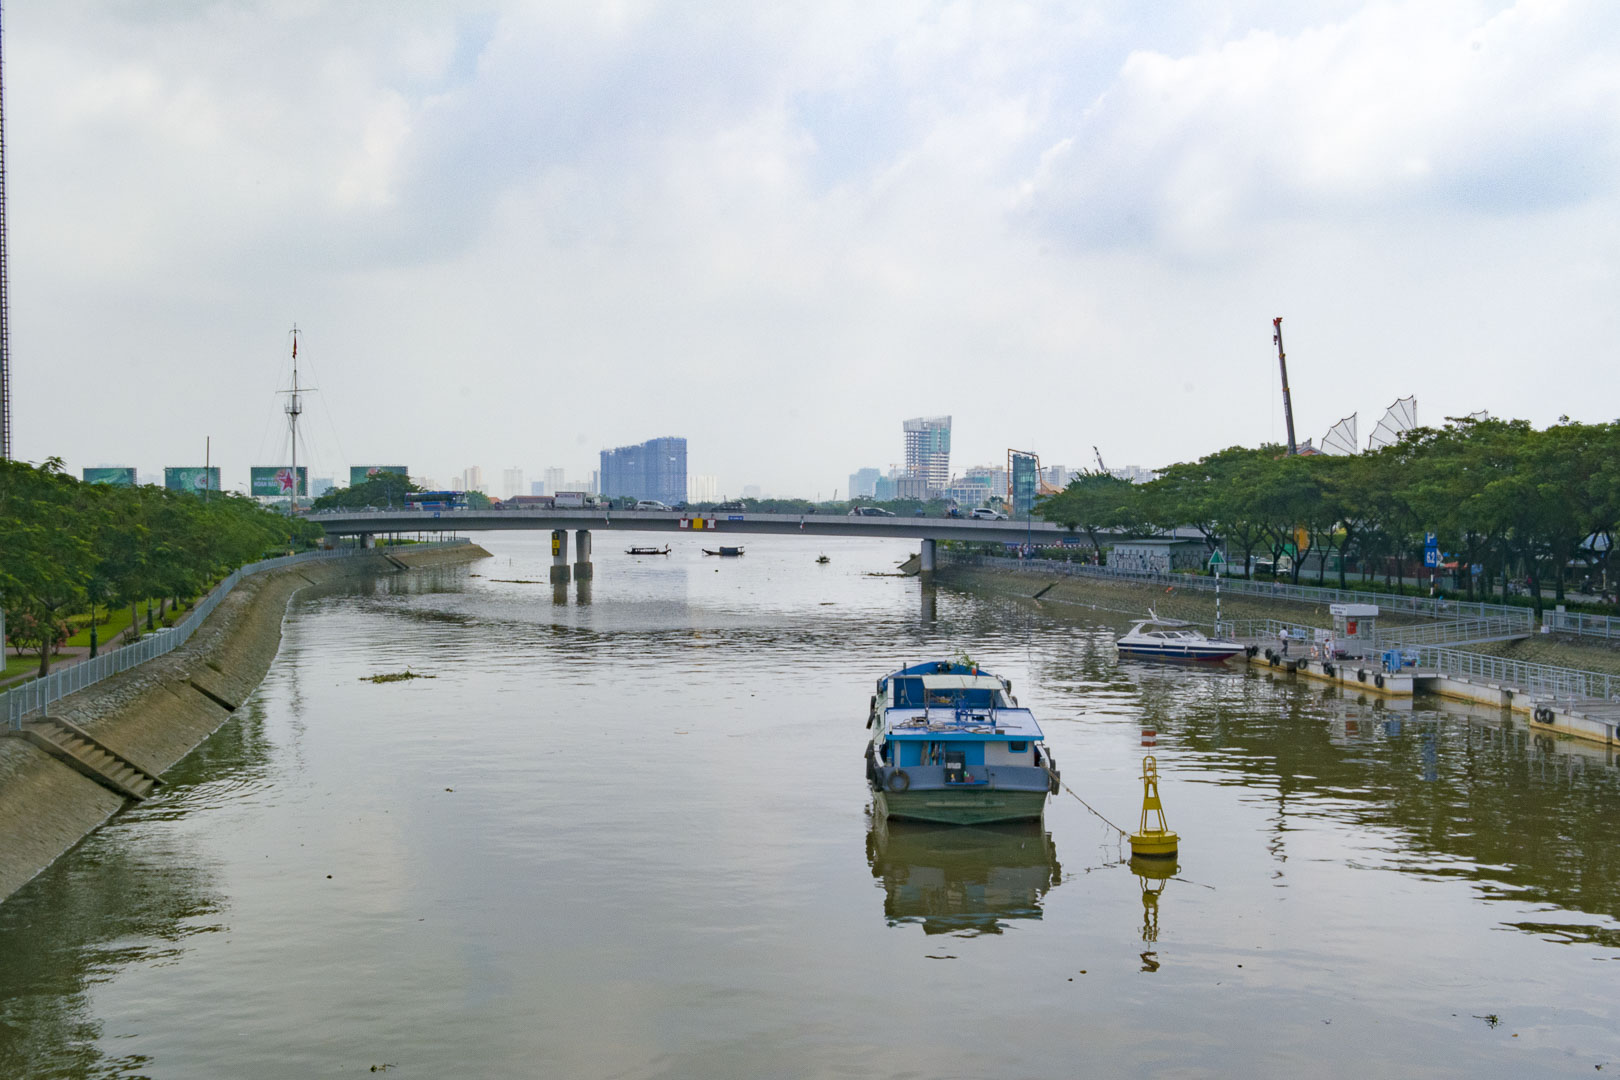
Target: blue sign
1431, 557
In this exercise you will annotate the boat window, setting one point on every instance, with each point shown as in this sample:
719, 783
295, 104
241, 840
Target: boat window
1018, 747
908, 693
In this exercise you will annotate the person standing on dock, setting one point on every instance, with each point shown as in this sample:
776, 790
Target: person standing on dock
1282, 636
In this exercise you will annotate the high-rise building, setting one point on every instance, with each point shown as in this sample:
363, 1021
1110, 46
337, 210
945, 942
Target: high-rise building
537, 487
863, 483
928, 450
655, 469
473, 479
511, 482
556, 481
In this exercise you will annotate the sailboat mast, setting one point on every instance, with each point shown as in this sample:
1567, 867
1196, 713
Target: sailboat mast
294, 407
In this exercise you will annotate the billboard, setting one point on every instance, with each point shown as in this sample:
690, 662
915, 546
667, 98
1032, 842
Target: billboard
117, 477
1023, 478
359, 474
191, 478
270, 481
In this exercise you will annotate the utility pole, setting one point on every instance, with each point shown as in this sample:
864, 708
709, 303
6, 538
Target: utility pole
5, 289
1288, 405
295, 407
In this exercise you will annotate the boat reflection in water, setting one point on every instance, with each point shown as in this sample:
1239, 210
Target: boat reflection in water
955, 879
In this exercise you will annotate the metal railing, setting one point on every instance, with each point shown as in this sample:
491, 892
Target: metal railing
1387, 602
1455, 632
1570, 622
38, 694
1542, 679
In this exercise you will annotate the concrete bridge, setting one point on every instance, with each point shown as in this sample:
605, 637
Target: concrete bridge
713, 528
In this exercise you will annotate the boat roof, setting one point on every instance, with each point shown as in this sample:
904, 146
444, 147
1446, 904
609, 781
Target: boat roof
961, 682
1156, 621
943, 724
945, 667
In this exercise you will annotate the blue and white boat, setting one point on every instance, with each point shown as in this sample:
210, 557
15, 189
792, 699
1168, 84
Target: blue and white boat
950, 744
1172, 639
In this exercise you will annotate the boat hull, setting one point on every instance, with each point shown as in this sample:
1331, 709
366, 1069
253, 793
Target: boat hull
970, 806
1212, 653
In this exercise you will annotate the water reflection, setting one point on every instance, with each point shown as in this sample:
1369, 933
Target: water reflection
956, 880
130, 896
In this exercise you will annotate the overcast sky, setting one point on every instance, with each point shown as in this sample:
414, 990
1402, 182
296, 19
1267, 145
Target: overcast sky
514, 234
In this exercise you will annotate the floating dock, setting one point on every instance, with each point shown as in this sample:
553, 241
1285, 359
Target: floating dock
1590, 719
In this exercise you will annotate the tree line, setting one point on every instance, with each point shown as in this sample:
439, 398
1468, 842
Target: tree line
1499, 494
69, 548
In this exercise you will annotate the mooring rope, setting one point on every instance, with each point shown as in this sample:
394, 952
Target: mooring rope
1093, 809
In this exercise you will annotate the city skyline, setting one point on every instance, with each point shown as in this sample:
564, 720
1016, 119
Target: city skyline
544, 231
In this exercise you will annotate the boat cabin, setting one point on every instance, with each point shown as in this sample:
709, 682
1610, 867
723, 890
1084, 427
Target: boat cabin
956, 718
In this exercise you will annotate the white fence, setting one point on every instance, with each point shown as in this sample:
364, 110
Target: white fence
1569, 622
40, 693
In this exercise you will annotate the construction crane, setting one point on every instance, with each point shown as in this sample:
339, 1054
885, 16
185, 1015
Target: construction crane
1288, 405
1100, 466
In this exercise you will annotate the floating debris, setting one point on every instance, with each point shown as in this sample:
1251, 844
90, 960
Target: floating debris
394, 676
516, 581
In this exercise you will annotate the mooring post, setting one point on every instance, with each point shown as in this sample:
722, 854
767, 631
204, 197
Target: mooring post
582, 555
559, 557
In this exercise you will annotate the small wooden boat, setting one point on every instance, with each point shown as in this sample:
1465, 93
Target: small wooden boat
728, 551
647, 550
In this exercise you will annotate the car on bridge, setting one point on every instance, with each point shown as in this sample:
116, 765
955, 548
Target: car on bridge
984, 513
651, 504
869, 511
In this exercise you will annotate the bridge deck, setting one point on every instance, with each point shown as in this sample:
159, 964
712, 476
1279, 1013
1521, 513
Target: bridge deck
349, 523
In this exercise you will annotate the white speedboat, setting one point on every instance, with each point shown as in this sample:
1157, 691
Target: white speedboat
1172, 639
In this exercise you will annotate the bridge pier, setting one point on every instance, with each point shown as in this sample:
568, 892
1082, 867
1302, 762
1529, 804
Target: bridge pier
583, 571
559, 557
925, 561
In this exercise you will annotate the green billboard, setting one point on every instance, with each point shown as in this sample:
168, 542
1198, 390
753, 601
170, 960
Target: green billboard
191, 478
117, 476
359, 474
270, 481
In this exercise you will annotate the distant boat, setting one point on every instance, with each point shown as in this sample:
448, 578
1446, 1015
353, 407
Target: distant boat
1172, 639
822, 559
724, 551
647, 550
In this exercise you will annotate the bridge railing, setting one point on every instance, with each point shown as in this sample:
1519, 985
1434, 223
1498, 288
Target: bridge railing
39, 694
1428, 607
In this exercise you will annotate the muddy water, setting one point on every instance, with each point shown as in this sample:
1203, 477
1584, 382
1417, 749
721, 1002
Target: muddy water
627, 834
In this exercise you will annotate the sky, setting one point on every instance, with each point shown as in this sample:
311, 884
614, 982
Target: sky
514, 234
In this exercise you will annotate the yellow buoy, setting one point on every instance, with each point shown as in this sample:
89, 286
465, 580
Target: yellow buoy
1155, 842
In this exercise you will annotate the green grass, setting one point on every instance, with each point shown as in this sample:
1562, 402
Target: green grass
19, 665
116, 621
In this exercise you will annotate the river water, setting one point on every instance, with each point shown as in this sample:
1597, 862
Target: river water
628, 835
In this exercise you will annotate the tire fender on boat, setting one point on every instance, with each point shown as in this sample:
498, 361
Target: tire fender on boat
1054, 781
898, 781
871, 711
1378, 680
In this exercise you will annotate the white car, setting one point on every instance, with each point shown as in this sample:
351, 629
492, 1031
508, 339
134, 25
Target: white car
651, 504
984, 513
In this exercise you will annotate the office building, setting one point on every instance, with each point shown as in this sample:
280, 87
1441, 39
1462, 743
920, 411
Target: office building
511, 483
655, 469
555, 481
473, 479
928, 450
863, 483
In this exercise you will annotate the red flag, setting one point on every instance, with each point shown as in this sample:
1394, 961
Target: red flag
295, 348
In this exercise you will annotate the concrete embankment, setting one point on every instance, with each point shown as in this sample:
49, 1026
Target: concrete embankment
155, 714
1128, 598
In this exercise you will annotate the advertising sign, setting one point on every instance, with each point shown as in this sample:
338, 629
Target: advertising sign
271, 481
1023, 477
359, 474
119, 477
191, 478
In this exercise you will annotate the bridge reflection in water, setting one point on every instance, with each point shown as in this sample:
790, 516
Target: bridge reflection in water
952, 879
